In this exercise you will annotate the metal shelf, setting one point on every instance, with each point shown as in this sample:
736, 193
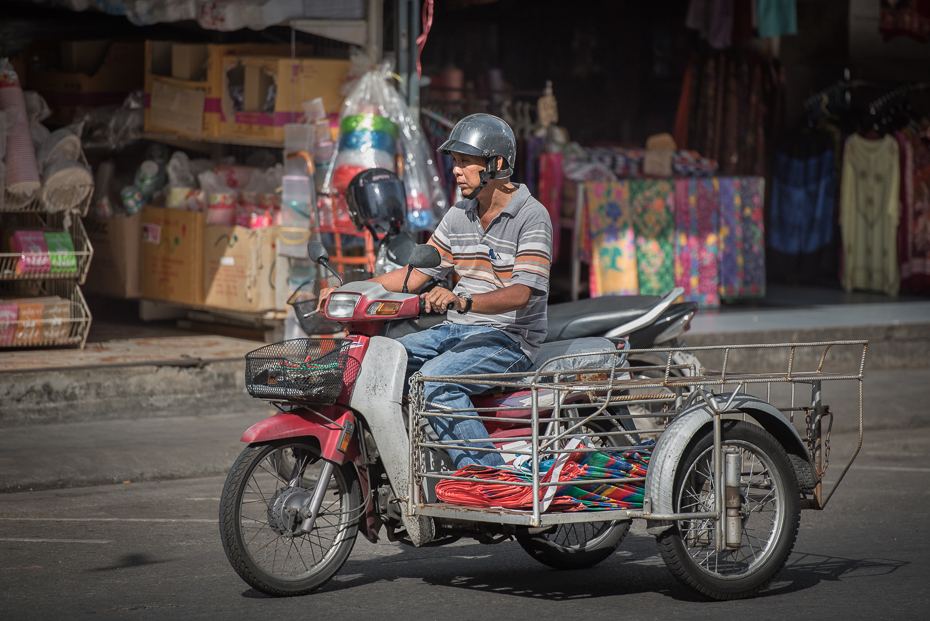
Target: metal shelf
83, 251
198, 143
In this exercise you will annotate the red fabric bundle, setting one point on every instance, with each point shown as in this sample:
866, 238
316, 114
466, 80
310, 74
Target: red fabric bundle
492, 490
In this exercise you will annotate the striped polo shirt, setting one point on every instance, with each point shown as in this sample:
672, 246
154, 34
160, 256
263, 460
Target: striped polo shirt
516, 248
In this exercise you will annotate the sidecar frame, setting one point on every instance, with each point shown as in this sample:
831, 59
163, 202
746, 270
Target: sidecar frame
696, 399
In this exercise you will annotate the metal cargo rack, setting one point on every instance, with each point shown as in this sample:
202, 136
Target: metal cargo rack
579, 399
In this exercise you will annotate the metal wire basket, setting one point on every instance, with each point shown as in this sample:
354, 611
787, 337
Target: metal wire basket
305, 370
307, 296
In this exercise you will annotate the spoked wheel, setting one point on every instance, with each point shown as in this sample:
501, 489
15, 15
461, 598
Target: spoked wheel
770, 515
579, 545
260, 526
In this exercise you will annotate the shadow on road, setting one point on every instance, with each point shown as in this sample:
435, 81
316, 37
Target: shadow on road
805, 570
131, 560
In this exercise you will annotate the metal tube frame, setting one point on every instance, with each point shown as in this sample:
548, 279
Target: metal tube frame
604, 387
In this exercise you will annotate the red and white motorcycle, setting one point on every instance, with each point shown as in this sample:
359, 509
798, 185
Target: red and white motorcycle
339, 458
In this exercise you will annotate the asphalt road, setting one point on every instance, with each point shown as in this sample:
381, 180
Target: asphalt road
151, 550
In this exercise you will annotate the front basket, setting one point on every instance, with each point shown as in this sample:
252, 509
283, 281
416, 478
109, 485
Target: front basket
305, 370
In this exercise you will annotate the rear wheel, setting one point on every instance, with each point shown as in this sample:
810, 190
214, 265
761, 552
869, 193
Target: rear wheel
261, 536
769, 510
579, 545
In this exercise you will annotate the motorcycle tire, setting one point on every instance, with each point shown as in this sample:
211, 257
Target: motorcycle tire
580, 545
770, 515
258, 537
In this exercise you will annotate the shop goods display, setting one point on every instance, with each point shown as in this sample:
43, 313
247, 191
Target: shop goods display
647, 236
376, 130
22, 171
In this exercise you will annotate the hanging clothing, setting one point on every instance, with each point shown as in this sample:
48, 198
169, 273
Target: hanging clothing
778, 17
550, 194
613, 243
653, 202
869, 214
905, 18
697, 211
914, 228
803, 180
742, 247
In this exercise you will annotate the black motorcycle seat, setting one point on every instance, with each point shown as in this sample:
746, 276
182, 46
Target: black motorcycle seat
595, 316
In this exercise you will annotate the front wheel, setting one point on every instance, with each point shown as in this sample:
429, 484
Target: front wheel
261, 536
769, 510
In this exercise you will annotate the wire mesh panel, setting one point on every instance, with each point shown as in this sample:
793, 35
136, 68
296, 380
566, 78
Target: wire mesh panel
306, 370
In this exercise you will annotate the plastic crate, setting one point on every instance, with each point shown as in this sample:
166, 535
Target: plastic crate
304, 370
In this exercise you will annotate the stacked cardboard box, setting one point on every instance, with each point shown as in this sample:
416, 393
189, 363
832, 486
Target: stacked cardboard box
184, 84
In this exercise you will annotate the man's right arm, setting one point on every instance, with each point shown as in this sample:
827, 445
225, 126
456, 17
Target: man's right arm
392, 281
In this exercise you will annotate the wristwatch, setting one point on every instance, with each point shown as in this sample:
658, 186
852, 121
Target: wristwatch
467, 298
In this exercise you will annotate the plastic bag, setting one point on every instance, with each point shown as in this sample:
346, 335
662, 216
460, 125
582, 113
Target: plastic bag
375, 128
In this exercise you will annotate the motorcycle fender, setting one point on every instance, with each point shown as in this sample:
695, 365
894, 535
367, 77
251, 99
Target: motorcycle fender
330, 425
377, 394
670, 448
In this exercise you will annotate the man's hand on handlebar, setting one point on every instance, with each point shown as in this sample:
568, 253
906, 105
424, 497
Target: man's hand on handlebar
437, 300
324, 293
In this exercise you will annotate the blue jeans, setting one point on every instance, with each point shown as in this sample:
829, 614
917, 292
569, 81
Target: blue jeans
452, 349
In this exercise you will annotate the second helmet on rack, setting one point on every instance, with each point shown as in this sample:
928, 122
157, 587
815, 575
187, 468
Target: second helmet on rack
377, 200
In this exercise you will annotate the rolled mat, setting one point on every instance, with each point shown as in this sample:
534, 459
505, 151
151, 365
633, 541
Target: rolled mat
362, 139
22, 173
372, 122
65, 185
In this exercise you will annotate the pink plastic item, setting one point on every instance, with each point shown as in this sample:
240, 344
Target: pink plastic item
33, 251
8, 316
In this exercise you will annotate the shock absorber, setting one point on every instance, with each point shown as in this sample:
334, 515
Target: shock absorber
733, 500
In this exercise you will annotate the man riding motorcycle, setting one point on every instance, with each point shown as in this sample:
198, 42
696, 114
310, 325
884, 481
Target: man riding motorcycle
499, 242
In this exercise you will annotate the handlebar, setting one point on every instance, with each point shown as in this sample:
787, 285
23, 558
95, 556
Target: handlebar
423, 308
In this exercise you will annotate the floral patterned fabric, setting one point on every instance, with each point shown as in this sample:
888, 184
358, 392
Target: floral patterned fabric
653, 202
613, 250
696, 223
742, 244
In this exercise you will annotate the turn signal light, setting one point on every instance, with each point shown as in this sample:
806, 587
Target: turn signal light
383, 308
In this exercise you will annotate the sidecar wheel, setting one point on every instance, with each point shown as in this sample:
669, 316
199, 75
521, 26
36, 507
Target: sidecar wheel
260, 540
770, 516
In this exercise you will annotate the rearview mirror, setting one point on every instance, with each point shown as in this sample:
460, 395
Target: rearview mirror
425, 256
317, 252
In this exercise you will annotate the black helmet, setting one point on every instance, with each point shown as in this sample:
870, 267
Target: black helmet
484, 135
376, 199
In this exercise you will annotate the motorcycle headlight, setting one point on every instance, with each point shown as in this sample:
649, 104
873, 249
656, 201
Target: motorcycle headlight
341, 305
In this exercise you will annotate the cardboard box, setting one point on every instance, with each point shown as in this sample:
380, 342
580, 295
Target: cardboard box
171, 255
297, 81
120, 73
171, 66
114, 270
83, 56
189, 62
238, 267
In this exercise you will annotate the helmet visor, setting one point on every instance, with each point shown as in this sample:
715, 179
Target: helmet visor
457, 146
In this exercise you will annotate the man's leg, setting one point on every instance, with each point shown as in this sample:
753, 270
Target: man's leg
422, 347
480, 351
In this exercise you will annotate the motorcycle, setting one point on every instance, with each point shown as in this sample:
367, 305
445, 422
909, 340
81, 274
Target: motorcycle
347, 453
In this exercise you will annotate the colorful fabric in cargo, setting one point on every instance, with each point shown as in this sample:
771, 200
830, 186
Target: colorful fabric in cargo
613, 246
579, 472
653, 203
702, 234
